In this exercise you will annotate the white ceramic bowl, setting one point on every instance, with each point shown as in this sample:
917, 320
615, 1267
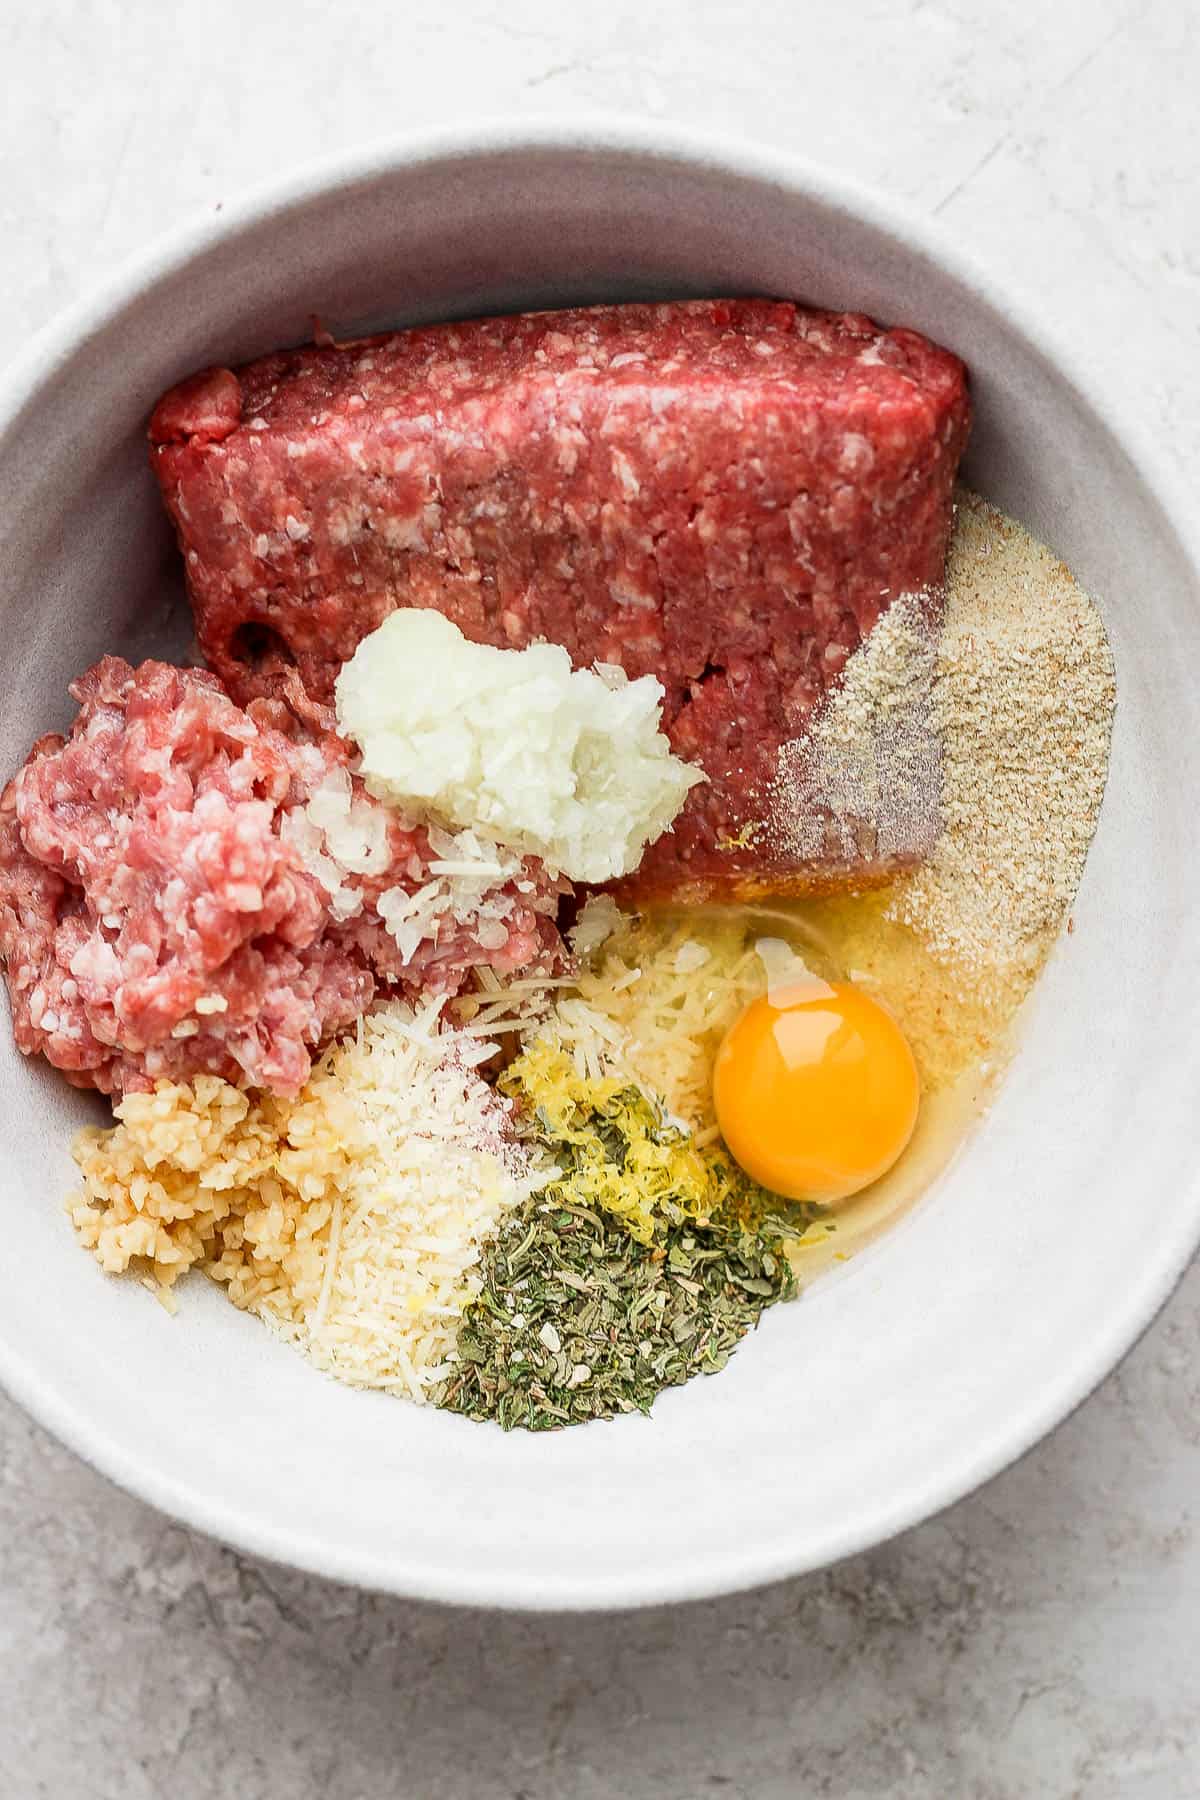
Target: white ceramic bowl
946, 1349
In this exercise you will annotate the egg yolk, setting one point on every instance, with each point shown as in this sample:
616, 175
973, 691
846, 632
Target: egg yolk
816, 1090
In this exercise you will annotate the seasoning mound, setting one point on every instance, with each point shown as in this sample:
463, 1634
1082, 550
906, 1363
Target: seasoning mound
578, 1320
863, 783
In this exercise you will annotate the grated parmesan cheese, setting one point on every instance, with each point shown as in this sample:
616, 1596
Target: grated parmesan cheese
654, 997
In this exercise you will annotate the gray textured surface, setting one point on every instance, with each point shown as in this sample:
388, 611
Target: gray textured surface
1041, 1639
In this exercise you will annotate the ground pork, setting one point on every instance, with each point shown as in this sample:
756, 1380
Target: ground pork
159, 913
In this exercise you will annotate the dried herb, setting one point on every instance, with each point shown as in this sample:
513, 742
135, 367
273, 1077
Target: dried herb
645, 1261
578, 1320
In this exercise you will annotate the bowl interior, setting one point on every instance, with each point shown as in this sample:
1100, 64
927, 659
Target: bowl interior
936, 1355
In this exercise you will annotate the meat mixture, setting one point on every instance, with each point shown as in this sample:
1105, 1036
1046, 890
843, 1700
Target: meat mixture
726, 494
187, 886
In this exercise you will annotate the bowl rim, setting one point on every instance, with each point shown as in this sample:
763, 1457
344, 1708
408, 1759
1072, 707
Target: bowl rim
608, 134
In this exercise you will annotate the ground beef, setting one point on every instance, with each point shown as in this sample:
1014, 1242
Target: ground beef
727, 494
158, 917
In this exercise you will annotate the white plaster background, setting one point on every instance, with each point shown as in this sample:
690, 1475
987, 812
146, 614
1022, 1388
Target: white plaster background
1043, 1638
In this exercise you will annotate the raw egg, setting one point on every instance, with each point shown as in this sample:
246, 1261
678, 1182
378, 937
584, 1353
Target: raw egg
816, 1090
